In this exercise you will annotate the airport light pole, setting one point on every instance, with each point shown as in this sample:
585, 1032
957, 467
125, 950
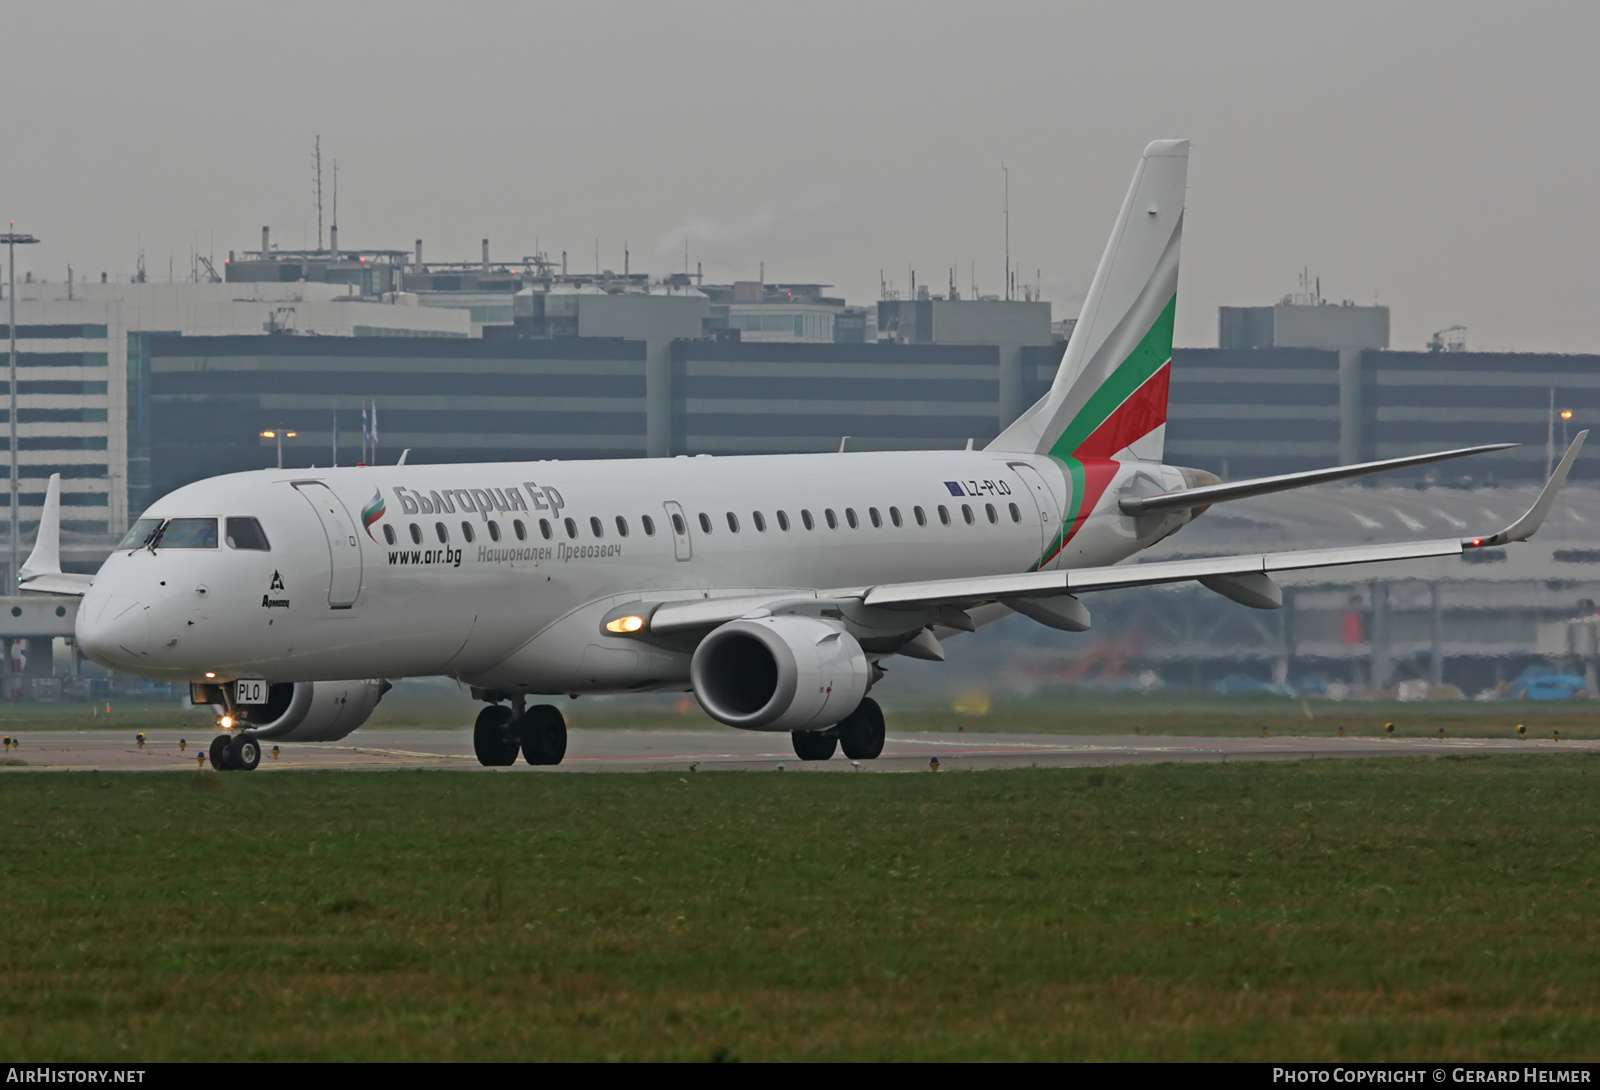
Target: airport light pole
12, 239
278, 433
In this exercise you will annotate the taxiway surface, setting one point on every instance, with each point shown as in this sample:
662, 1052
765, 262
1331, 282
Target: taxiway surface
661, 750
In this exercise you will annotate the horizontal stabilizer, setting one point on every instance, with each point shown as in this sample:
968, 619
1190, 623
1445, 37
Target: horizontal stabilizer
1206, 495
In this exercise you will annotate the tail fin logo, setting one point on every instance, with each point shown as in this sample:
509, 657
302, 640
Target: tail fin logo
372, 512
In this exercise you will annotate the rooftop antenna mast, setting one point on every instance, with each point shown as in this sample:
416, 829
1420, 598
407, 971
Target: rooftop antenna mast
316, 156
1007, 212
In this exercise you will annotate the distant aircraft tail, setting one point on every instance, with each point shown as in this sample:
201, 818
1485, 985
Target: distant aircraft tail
1109, 398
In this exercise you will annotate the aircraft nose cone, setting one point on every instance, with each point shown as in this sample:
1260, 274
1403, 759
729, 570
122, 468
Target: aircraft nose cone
115, 631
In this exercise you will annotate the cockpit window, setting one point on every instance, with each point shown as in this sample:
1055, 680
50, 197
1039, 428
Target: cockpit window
188, 534
246, 533
138, 535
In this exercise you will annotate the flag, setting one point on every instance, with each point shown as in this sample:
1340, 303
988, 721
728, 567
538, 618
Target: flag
374, 432
366, 432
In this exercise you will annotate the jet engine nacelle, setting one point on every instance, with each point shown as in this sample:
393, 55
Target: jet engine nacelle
779, 673
313, 711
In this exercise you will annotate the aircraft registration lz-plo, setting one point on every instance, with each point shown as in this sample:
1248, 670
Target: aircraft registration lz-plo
772, 587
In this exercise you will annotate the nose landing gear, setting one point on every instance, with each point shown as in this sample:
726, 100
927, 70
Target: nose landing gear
539, 734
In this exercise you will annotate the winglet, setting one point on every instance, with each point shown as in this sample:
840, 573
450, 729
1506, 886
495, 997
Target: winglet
1526, 526
46, 556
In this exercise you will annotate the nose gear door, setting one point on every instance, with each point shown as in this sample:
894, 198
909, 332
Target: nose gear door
344, 551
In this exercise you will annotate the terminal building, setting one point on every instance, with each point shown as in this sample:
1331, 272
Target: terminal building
132, 390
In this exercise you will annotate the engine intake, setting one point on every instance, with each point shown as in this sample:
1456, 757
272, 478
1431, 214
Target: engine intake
313, 711
779, 673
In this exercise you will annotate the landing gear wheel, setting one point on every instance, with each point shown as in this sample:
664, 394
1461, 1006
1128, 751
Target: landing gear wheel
861, 732
218, 754
544, 735
492, 739
244, 754
813, 745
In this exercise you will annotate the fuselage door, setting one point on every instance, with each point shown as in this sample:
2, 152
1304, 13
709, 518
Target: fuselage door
1044, 502
344, 551
679, 523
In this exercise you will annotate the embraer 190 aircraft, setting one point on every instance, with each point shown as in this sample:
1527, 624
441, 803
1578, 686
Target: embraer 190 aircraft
772, 587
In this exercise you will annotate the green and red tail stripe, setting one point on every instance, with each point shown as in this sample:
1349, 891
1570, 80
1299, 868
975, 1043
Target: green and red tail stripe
1128, 406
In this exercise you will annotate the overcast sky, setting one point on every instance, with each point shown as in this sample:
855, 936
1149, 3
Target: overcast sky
1439, 158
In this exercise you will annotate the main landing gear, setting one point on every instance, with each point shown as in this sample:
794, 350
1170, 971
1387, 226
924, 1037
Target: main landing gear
235, 753
539, 734
859, 734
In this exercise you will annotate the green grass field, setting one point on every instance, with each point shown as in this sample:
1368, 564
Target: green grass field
1378, 909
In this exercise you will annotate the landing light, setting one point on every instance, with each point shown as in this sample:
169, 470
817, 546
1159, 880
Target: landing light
209, 674
225, 722
625, 624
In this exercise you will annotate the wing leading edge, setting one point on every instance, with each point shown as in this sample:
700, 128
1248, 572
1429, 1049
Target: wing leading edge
1244, 578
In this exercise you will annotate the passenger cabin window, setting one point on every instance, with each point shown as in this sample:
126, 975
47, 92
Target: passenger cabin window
944, 515
877, 519
416, 534
989, 510
519, 529
444, 535
733, 522
805, 519
139, 534
649, 525
966, 514
705, 522
783, 521
833, 520
572, 528
466, 531
544, 529
850, 517
760, 520
494, 531
188, 534
679, 527
595, 527
1016, 515
388, 535
922, 518
622, 526
894, 515
246, 533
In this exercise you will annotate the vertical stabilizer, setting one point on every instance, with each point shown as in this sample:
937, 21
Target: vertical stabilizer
1109, 398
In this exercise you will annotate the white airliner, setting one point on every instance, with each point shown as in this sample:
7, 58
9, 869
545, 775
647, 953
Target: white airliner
772, 587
